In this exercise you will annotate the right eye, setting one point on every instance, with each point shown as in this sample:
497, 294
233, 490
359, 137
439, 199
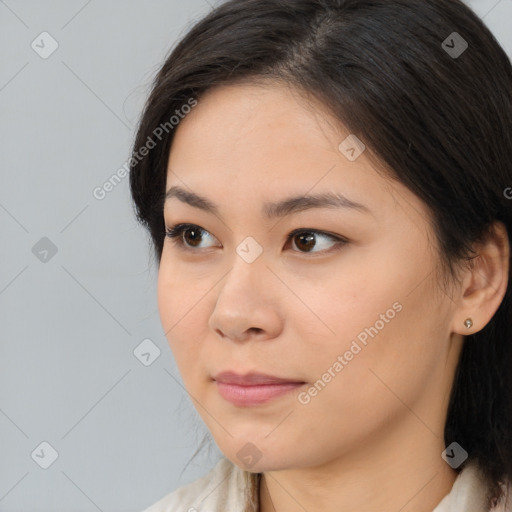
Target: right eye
187, 236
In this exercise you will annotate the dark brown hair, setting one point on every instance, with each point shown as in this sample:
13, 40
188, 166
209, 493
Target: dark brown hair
439, 121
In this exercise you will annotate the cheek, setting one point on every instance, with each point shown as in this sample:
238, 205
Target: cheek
383, 321
386, 361
177, 294
369, 388
344, 305
182, 313
167, 296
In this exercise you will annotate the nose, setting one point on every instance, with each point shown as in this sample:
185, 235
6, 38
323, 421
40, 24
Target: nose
247, 305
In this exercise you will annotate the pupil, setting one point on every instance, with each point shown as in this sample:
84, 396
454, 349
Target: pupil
195, 237
309, 239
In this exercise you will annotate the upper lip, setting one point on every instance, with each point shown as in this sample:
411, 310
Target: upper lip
251, 379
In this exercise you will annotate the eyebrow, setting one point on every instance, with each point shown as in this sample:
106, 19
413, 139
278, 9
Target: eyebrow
270, 210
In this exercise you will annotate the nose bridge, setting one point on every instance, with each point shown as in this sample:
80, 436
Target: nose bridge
242, 302
248, 267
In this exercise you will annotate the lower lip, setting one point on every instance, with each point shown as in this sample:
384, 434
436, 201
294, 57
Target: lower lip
254, 395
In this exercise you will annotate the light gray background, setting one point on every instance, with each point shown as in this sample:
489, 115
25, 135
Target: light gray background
71, 321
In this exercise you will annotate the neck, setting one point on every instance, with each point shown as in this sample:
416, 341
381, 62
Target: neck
406, 474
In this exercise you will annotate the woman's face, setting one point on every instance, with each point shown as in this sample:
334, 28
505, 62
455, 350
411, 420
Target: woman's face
349, 308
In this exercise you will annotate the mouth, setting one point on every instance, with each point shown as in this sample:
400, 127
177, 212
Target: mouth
253, 388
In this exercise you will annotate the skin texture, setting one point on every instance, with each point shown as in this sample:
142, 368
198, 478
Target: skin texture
371, 439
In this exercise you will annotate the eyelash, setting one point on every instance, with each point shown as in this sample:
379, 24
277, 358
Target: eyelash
175, 234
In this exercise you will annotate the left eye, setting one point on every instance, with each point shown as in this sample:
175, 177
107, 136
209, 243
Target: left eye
189, 237
307, 239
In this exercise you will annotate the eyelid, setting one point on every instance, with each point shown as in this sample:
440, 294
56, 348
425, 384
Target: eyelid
333, 236
176, 231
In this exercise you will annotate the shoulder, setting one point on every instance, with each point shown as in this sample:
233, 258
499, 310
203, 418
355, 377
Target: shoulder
222, 489
505, 505
469, 493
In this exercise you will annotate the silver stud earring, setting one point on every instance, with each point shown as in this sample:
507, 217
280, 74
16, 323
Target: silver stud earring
468, 323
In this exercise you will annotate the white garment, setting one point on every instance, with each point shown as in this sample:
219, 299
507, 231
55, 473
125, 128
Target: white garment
222, 490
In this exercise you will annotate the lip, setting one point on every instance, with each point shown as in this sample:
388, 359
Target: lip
253, 388
251, 379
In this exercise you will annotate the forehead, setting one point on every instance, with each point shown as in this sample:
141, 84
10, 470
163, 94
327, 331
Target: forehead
237, 116
260, 142
248, 130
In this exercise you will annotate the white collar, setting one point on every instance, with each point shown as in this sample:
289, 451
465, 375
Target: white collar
224, 489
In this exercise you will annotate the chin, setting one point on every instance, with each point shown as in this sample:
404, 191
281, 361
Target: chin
256, 458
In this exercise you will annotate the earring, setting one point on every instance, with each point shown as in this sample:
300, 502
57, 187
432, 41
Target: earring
468, 323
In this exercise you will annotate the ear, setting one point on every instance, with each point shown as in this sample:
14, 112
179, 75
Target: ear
484, 282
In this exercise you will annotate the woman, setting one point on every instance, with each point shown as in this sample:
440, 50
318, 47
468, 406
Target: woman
326, 184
